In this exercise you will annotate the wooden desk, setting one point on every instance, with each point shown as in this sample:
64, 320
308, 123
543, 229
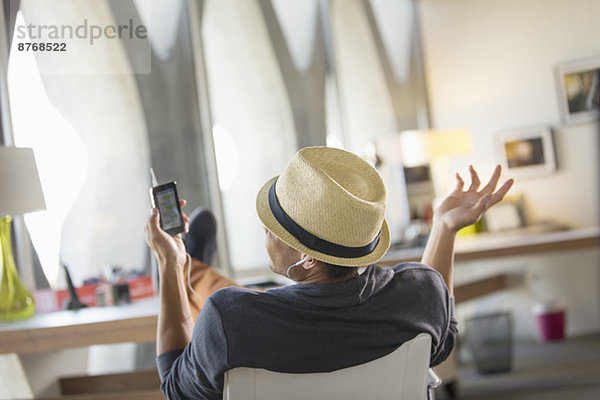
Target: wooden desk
135, 322
523, 241
51, 346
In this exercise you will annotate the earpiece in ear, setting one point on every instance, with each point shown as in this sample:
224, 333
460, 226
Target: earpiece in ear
305, 259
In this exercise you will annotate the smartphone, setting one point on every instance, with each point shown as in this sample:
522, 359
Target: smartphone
165, 198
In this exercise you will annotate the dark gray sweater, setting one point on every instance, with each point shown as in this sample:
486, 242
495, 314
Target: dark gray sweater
310, 328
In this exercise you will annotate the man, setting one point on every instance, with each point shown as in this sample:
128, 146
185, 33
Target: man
324, 219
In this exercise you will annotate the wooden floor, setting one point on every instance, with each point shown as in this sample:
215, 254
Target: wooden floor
560, 370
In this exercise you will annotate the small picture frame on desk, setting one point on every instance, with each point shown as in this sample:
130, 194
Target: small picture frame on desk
527, 152
506, 215
578, 84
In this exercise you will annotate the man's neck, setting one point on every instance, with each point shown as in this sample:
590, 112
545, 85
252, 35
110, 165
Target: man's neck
318, 274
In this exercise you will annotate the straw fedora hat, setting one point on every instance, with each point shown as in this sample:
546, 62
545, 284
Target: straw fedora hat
329, 204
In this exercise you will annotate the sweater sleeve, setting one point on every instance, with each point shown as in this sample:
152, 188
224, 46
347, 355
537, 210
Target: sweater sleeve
448, 335
429, 307
196, 372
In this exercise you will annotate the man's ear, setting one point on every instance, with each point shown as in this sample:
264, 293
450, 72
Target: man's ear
310, 263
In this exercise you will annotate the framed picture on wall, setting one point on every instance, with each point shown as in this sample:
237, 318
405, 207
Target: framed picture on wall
527, 152
579, 89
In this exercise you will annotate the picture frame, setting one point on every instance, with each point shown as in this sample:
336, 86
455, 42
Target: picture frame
527, 152
506, 215
578, 84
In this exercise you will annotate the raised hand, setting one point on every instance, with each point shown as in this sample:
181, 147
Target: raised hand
462, 208
169, 249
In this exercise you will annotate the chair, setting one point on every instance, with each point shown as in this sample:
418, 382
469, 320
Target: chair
402, 374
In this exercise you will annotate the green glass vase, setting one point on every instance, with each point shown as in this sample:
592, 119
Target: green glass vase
16, 302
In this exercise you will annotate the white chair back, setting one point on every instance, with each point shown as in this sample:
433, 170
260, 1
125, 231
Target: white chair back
401, 374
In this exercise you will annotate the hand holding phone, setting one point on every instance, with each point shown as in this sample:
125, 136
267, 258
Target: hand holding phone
165, 198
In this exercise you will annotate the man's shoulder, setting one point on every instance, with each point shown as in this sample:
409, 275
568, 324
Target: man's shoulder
418, 272
413, 266
234, 296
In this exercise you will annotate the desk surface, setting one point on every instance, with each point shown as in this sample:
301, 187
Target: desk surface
524, 241
136, 322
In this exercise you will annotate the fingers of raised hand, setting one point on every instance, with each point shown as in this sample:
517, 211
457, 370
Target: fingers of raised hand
491, 185
459, 183
475, 182
500, 193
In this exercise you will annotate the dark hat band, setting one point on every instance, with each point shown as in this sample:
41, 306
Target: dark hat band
311, 241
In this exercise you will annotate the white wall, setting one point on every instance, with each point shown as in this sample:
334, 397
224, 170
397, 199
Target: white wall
490, 67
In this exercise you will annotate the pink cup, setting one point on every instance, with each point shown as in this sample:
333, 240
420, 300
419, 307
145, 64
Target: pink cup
550, 318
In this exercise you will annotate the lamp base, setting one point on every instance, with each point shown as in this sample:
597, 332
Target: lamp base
16, 302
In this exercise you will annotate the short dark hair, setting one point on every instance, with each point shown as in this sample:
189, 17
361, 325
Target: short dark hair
338, 272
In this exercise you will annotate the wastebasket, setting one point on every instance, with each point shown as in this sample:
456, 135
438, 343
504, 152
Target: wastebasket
490, 339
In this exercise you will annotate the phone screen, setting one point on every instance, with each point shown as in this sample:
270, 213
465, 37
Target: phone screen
167, 202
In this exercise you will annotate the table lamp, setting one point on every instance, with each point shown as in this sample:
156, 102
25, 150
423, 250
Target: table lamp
20, 193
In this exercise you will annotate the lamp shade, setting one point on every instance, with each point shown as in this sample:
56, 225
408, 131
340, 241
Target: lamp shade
20, 188
449, 142
424, 146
